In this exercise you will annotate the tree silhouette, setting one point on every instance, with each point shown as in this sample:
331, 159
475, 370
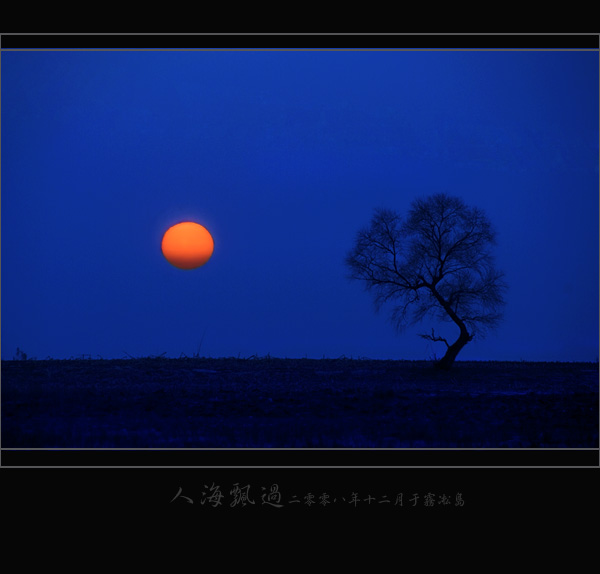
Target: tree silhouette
437, 262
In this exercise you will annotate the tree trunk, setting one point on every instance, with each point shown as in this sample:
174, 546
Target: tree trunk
448, 359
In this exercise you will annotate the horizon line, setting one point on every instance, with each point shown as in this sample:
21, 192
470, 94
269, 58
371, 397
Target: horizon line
268, 356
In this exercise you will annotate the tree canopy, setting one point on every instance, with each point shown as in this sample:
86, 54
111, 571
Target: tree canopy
436, 262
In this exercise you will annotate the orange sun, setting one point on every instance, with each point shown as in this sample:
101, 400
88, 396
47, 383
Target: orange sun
187, 245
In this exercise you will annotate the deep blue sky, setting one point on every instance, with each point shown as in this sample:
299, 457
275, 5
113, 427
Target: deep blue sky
283, 156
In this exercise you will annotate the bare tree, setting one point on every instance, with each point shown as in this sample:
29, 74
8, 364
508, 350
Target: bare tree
437, 262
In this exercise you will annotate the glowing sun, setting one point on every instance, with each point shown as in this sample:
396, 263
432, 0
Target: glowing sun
187, 245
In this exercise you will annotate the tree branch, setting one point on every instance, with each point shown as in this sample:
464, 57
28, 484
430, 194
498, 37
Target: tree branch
433, 338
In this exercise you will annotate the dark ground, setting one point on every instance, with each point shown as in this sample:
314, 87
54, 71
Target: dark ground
297, 403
